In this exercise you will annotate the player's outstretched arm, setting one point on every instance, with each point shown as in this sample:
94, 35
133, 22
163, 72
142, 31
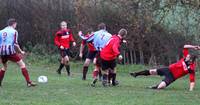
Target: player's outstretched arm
192, 47
18, 49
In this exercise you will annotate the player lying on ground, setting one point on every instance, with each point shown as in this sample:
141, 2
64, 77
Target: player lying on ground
109, 55
184, 66
92, 52
62, 40
8, 51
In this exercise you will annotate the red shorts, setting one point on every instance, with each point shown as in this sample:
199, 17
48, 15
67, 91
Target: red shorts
13, 58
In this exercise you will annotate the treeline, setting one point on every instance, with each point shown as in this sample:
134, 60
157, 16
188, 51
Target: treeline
156, 34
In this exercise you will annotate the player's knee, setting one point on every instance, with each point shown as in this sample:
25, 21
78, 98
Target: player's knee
87, 62
21, 64
153, 71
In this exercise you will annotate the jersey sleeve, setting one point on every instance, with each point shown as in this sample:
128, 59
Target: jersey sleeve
192, 74
56, 40
16, 38
185, 52
116, 48
83, 42
71, 36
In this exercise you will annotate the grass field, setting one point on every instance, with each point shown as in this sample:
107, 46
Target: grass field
62, 90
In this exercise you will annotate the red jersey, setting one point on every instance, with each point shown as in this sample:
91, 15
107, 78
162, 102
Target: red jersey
89, 44
63, 38
180, 68
111, 50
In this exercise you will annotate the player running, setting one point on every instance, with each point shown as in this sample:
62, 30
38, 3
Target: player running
108, 57
62, 40
9, 49
96, 42
184, 66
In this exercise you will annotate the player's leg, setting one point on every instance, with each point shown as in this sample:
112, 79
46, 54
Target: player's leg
67, 65
60, 67
2, 71
166, 81
105, 71
85, 68
113, 75
95, 75
144, 73
90, 56
62, 53
25, 73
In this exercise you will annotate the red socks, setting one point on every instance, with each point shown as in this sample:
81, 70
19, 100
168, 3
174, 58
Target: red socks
26, 75
95, 74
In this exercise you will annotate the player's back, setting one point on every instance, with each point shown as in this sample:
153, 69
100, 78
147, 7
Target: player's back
101, 37
8, 36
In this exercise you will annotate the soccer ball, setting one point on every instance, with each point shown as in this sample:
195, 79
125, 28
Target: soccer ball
42, 79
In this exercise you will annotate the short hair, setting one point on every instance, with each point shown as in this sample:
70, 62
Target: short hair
122, 32
63, 22
11, 21
193, 57
89, 30
102, 26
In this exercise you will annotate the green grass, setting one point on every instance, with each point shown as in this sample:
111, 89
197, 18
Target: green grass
62, 90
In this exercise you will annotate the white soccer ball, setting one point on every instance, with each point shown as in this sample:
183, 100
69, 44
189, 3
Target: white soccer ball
42, 79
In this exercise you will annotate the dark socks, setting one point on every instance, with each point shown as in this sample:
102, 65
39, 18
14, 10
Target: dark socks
85, 70
60, 68
113, 78
145, 72
100, 74
68, 69
109, 77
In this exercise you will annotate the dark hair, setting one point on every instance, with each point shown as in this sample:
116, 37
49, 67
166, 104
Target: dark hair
89, 30
122, 32
193, 58
102, 26
11, 21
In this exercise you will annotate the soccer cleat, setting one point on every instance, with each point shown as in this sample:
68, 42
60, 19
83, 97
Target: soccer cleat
31, 84
105, 83
59, 72
153, 87
100, 78
84, 78
69, 74
115, 83
133, 75
94, 82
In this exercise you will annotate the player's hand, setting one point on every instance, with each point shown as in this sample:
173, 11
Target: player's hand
120, 57
81, 55
124, 41
80, 33
74, 43
22, 52
61, 47
198, 47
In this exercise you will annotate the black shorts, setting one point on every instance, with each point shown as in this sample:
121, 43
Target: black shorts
64, 52
91, 55
108, 64
169, 78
